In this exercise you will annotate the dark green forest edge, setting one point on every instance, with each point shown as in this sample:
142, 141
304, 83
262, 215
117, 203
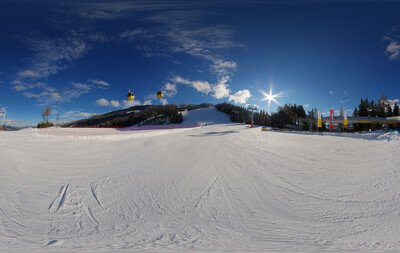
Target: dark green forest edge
288, 116
296, 118
285, 117
138, 115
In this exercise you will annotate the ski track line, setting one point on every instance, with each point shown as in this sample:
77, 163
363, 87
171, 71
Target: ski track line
63, 196
89, 213
54, 199
93, 189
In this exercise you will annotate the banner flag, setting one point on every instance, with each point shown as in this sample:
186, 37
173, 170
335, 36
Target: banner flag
331, 119
345, 120
319, 119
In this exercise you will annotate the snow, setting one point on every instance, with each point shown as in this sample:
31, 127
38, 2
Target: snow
206, 116
217, 187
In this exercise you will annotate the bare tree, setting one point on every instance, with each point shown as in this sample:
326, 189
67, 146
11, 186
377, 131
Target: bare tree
46, 113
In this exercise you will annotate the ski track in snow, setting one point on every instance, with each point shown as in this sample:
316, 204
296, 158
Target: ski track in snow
217, 187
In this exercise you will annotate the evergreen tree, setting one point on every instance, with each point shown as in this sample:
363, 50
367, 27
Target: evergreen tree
355, 113
396, 110
389, 111
372, 109
382, 107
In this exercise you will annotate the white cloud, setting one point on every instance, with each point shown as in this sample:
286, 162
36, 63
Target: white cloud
240, 97
24, 86
164, 101
346, 92
223, 67
53, 54
103, 102
306, 105
343, 101
393, 50
221, 90
2, 112
147, 102
183, 31
100, 83
109, 10
331, 92
28, 73
47, 94
169, 89
77, 114
200, 86
114, 103
82, 86
126, 103
180, 80
133, 34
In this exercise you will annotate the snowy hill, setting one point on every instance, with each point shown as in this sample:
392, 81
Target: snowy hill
205, 116
216, 187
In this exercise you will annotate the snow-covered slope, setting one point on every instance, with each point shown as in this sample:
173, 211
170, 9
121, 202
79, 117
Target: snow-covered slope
205, 116
217, 187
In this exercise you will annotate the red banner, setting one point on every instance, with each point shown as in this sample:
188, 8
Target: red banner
331, 119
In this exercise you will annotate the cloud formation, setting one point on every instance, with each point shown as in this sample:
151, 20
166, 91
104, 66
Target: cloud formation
52, 54
219, 90
127, 104
106, 102
169, 89
103, 102
77, 114
48, 94
200, 86
184, 32
2, 112
240, 97
392, 50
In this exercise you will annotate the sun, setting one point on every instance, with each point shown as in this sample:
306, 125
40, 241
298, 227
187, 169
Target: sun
270, 97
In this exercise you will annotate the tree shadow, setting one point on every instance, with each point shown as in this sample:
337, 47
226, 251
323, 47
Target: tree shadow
216, 133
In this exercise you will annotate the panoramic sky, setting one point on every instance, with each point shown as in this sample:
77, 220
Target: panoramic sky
81, 58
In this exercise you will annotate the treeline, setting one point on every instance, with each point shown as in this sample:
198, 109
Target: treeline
142, 115
132, 116
382, 108
286, 115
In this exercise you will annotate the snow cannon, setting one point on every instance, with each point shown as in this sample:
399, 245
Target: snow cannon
130, 96
160, 95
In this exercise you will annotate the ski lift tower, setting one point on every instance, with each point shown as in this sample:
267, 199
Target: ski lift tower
252, 108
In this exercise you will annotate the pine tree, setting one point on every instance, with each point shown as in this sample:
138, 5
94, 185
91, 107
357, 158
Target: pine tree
389, 112
355, 113
396, 110
372, 110
382, 108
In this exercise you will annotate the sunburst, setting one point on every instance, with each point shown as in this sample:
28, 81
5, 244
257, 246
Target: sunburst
270, 97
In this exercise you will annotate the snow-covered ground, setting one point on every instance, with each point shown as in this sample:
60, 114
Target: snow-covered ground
218, 187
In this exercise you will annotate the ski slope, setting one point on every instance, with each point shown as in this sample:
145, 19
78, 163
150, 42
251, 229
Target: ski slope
217, 187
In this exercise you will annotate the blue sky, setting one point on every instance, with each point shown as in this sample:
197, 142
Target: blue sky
82, 57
